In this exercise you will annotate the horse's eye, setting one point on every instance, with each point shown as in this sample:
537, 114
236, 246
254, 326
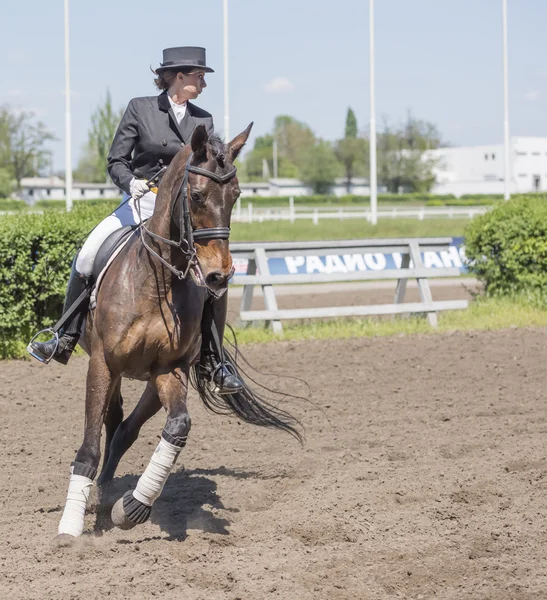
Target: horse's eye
196, 196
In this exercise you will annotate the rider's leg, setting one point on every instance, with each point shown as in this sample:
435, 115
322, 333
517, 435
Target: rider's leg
69, 334
126, 214
78, 282
86, 256
212, 361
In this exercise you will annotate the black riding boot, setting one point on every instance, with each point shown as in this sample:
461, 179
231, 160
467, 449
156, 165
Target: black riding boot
69, 334
212, 361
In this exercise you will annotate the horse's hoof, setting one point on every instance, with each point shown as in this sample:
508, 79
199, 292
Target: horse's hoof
64, 540
119, 518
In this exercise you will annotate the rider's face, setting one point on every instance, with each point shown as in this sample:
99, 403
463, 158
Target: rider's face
192, 84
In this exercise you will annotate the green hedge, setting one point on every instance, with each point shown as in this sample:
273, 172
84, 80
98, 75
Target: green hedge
31, 293
61, 204
483, 201
12, 205
507, 246
342, 200
258, 201
427, 199
481, 196
9, 205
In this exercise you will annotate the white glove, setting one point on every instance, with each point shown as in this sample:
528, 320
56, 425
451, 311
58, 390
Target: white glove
138, 188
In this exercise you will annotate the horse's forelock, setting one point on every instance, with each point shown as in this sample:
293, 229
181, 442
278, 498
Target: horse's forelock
218, 149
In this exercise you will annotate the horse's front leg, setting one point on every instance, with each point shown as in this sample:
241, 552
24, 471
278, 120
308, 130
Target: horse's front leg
99, 388
128, 431
135, 506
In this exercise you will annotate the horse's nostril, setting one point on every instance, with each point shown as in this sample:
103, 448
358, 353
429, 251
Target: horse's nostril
216, 280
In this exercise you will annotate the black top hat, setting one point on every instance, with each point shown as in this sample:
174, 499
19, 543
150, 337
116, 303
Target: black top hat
184, 57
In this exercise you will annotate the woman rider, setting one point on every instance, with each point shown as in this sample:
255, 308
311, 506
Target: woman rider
152, 130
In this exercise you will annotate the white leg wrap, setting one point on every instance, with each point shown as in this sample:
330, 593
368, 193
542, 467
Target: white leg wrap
151, 482
72, 521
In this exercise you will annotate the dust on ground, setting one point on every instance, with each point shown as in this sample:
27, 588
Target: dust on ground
424, 475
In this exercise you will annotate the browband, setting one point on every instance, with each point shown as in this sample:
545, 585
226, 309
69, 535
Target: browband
218, 178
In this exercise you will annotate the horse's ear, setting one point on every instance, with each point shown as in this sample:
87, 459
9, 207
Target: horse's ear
234, 147
199, 141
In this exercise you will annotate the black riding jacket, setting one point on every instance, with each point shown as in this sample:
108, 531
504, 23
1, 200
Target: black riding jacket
148, 138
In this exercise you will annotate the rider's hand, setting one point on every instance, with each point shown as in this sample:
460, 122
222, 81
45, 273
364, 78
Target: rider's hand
138, 188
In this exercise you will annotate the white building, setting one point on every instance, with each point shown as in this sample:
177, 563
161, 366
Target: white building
480, 169
53, 188
294, 187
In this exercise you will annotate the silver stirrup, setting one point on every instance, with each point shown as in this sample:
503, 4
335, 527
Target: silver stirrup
39, 358
214, 388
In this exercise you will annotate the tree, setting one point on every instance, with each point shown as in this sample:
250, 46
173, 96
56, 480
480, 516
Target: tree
320, 167
88, 169
242, 175
22, 144
7, 183
351, 150
263, 149
294, 139
104, 123
351, 124
403, 162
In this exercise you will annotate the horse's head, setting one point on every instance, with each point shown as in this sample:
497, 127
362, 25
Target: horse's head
212, 190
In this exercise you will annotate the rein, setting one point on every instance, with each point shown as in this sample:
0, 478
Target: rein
187, 233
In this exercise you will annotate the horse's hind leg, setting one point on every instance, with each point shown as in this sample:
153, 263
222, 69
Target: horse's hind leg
127, 432
136, 505
100, 386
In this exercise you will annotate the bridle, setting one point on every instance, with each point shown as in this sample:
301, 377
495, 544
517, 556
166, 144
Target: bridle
187, 233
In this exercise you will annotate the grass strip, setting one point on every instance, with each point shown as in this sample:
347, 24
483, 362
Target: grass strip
483, 314
336, 229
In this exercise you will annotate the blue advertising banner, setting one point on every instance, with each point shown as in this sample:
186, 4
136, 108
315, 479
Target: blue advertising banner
346, 263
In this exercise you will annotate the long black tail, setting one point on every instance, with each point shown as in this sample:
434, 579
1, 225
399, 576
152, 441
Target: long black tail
247, 404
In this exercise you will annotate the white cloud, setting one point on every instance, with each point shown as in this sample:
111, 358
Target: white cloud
532, 96
279, 85
15, 92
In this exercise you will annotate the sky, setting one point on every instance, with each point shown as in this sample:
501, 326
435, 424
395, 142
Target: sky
441, 59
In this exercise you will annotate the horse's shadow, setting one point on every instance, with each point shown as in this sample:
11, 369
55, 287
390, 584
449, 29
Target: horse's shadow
189, 501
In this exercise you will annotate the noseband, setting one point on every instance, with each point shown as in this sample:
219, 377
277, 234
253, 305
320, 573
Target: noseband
187, 233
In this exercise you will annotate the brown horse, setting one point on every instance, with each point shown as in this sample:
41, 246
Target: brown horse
147, 325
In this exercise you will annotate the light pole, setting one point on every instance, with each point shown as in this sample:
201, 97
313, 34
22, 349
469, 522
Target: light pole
506, 141
68, 150
226, 104
373, 183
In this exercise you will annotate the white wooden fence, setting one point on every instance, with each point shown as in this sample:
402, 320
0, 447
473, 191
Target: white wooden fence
412, 267
292, 213
252, 214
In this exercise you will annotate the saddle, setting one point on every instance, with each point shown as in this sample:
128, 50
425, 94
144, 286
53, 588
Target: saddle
108, 251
